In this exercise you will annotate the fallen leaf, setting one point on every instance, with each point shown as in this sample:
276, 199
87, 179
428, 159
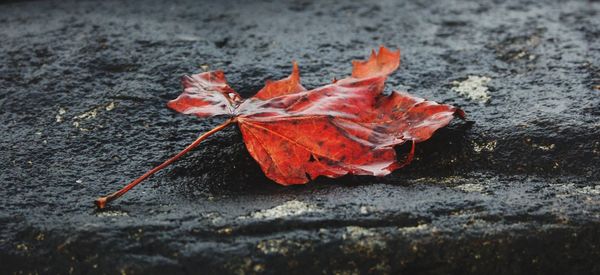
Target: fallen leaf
347, 127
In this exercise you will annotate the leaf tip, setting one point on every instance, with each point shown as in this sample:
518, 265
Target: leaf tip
295, 71
382, 63
288, 85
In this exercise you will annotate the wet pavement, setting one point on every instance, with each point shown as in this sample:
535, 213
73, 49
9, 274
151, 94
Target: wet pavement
83, 88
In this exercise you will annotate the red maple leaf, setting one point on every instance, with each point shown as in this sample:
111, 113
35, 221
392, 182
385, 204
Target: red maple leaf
295, 134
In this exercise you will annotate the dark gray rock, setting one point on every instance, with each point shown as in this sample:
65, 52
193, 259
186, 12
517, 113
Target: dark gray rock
83, 87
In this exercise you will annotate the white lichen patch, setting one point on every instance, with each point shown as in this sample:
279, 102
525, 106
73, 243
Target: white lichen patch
110, 106
281, 246
272, 247
59, 115
90, 114
489, 146
590, 190
471, 187
357, 232
474, 88
414, 229
544, 147
87, 115
113, 213
215, 218
571, 189
288, 209
367, 209
366, 241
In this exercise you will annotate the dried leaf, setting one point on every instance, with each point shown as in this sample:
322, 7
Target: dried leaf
347, 127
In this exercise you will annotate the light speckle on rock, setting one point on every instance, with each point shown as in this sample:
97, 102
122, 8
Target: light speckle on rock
590, 190
366, 209
280, 246
489, 146
90, 114
474, 88
113, 213
414, 229
357, 232
270, 246
544, 147
110, 106
289, 208
470, 187
59, 115
571, 189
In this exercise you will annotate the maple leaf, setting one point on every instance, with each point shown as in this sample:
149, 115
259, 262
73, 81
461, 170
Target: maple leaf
347, 127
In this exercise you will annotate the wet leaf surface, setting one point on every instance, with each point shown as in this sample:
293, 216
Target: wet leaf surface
349, 126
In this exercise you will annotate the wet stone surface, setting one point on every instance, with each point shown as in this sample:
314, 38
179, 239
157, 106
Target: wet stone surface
83, 87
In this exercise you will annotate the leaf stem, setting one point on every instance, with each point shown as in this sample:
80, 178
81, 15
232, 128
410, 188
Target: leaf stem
102, 201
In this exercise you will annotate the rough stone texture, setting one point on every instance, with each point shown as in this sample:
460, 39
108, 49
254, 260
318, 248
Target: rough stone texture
83, 87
